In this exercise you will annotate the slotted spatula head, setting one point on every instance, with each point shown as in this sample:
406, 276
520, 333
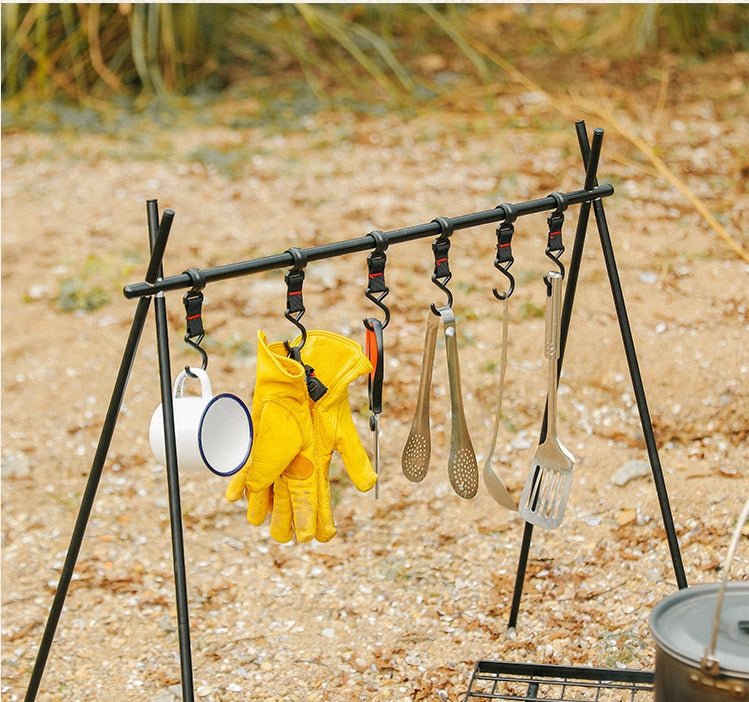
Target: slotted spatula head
417, 451
545, 494
548, 484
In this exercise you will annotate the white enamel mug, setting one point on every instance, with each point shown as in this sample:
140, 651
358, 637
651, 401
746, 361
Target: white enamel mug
212, 431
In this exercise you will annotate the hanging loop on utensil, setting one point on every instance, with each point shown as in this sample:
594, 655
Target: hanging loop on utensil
504, 258
440, 248
377, 291
555, 220
294, 280
193, 301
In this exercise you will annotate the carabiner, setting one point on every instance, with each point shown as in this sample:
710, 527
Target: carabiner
376, 290
193, 301
294, 280
442, 274
555, 220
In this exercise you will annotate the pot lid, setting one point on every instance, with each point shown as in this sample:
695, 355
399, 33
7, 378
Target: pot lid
682, 625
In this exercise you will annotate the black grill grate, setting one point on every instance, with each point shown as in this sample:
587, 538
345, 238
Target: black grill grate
497, 680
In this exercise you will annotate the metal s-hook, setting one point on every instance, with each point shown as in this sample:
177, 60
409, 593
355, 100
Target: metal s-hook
294, 280
375, 346
555, 220
504, 258
377, 291
440, 248
193, 301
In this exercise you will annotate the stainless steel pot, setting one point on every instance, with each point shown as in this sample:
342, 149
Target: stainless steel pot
702, 639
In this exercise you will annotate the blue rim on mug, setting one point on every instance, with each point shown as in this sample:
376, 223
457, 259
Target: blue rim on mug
238, 467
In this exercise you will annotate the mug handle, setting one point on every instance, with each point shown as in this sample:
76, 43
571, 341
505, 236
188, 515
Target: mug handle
205, 383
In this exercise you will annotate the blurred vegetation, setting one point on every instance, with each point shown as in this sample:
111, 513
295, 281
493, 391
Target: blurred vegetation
93, 53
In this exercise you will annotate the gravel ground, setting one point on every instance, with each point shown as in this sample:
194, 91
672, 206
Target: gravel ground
416, 586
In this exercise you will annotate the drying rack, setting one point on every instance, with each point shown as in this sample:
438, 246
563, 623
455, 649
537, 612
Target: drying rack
526, 682
155, 286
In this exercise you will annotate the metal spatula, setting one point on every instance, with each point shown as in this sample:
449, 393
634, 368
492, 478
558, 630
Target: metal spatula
416, 452
548, 484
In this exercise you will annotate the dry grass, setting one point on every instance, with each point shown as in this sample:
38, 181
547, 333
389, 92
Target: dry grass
94, 51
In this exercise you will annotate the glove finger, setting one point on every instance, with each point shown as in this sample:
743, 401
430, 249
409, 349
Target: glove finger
258, 506
355, 458
303, 496
281, 528
236, 487
326, 529
278, 440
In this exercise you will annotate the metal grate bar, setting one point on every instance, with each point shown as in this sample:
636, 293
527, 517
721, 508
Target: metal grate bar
496, 680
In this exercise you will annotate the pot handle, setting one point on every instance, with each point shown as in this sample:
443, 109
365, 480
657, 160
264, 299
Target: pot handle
709, 663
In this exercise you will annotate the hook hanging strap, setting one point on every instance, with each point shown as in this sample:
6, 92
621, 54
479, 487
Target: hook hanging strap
193, 301
294, 280
377, 291
440, 248
504, 258
555, 220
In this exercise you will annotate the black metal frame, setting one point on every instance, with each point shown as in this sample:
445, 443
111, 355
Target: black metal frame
501, 680
155, 285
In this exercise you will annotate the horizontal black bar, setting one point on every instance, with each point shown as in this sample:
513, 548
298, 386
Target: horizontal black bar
364, 243
566, 672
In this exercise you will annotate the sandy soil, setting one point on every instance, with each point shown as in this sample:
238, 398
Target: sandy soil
416, 586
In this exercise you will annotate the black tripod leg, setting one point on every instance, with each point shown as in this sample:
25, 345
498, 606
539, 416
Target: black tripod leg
175, 509
158, 237
89, 494
172, 471
642, 405
569, 298
573, 272
592, 152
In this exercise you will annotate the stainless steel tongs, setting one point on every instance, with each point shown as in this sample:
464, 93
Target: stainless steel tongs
461, 466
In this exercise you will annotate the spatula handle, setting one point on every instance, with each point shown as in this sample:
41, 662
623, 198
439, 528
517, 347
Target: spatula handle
553, 308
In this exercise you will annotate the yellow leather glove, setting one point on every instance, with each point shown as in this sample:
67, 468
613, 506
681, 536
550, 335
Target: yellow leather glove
337, 361
282, 451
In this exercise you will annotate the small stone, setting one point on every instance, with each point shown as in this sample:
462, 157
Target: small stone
359, 664
626, 516
630, 471
16, 465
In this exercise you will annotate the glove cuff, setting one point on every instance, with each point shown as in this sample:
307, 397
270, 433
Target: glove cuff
277, 374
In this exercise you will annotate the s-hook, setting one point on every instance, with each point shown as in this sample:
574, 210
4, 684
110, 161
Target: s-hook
442, 274
376, 292
294, 280
555, 220
193, 301
504, 258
